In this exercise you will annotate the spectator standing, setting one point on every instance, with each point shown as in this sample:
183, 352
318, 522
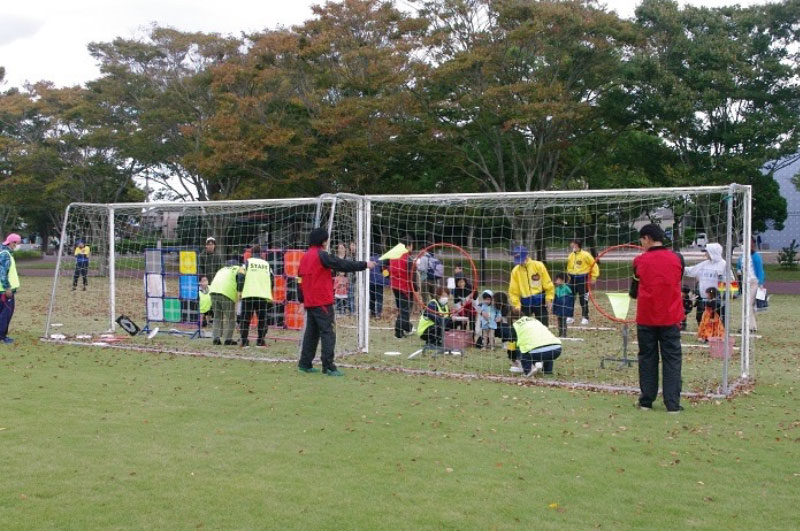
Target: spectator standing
209, 261
656, 285
82, 254
400, 271
582, 270
9, 282
755, 279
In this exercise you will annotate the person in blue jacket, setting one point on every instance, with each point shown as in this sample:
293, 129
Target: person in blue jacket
755, 279
378, 280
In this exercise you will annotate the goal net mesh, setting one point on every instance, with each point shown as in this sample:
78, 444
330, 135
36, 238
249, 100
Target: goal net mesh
147, 262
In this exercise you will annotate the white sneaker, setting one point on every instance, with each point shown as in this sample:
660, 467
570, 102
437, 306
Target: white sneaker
570, 320
534, 369
515, 369
584, 321
539, 365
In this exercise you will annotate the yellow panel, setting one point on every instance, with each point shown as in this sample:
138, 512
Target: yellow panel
188, 263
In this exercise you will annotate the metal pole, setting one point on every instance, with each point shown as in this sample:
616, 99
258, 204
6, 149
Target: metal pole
58, 270
112, 269
367, 246
728, 258
746, 308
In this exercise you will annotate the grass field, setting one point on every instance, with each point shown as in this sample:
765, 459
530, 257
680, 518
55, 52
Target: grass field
97, 438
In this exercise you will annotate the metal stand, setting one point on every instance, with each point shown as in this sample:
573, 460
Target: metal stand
624, 361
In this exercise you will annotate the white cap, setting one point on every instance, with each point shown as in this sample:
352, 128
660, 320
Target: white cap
211, 239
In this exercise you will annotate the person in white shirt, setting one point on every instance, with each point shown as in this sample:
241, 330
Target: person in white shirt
708, 274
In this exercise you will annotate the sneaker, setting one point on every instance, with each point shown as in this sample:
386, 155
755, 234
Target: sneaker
536, 367
675, 411
334, 372
516, 370
7, 340
584, 321
260, 343
216, 341
245, 343
637, 405
570, 320
539, 365
308, 370
229, 342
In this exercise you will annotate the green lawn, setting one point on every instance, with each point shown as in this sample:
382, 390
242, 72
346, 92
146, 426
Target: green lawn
96, 438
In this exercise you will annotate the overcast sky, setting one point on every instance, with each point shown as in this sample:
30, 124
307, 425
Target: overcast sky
46, 39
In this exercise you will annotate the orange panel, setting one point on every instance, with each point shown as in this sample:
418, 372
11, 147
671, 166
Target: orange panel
294, 316
291, 262
278, 288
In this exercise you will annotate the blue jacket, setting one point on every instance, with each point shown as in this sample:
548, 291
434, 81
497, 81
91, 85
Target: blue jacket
5, 266
376, 273
758, 267
564, 303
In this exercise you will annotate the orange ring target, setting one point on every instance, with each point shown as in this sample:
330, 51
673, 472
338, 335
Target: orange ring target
591, 292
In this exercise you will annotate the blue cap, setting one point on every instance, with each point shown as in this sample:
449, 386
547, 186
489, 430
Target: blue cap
80, 241
520, 253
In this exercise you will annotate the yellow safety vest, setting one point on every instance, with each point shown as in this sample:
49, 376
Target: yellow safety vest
425, 323
257, 280
205, 302
531, 334
13, 278
224, 282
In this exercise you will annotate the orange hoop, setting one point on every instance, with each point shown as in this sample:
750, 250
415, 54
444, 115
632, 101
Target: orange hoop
464, 253
591, 292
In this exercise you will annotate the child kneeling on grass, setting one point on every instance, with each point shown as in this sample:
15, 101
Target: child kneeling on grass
537, 345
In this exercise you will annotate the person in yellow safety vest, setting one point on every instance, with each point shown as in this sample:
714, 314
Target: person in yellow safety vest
537, 345
9, 281
224, 293
435, 318
582, 269
255, 283
531, 288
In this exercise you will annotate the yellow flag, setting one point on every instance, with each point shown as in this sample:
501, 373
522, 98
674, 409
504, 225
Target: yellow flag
620, 302
395, 252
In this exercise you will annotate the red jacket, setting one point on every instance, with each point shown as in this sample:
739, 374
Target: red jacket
657, 275
400, 273
316, 280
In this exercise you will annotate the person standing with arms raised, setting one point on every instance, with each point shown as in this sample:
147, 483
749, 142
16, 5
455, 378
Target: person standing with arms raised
656, 285
316, 294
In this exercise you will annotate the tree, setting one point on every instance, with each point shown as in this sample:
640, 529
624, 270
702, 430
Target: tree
718, 86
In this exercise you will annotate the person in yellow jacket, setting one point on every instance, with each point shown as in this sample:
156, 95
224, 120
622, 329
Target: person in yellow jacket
582, 269
531, 289
255, 283
435, 318
9, 284
537, 345
82, 254
224, 294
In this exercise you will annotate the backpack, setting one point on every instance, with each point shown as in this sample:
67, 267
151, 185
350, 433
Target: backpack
435, 267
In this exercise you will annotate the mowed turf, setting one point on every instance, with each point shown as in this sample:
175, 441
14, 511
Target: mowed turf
96, 438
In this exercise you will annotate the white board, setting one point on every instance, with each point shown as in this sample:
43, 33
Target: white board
155, 309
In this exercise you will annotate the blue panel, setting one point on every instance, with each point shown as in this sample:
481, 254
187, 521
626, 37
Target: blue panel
188, 287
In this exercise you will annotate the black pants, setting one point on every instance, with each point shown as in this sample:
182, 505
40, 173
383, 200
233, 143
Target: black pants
403, 302
320, 322
6, 313
528, 358
375, 299
666, 342
577, 284
562, 326
254, 306
81, 270
433, 336
539, 311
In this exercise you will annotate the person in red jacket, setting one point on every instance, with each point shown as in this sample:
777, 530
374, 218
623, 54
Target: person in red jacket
400, 273
316, 294
656, 285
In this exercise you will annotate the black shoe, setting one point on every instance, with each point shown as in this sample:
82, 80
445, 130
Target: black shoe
245, 343
84, 288
260, 343
216, 341
74, 288
675, 411
229, 342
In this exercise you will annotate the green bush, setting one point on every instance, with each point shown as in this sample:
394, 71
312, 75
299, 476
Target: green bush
137, 246
27, 255
787, 257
